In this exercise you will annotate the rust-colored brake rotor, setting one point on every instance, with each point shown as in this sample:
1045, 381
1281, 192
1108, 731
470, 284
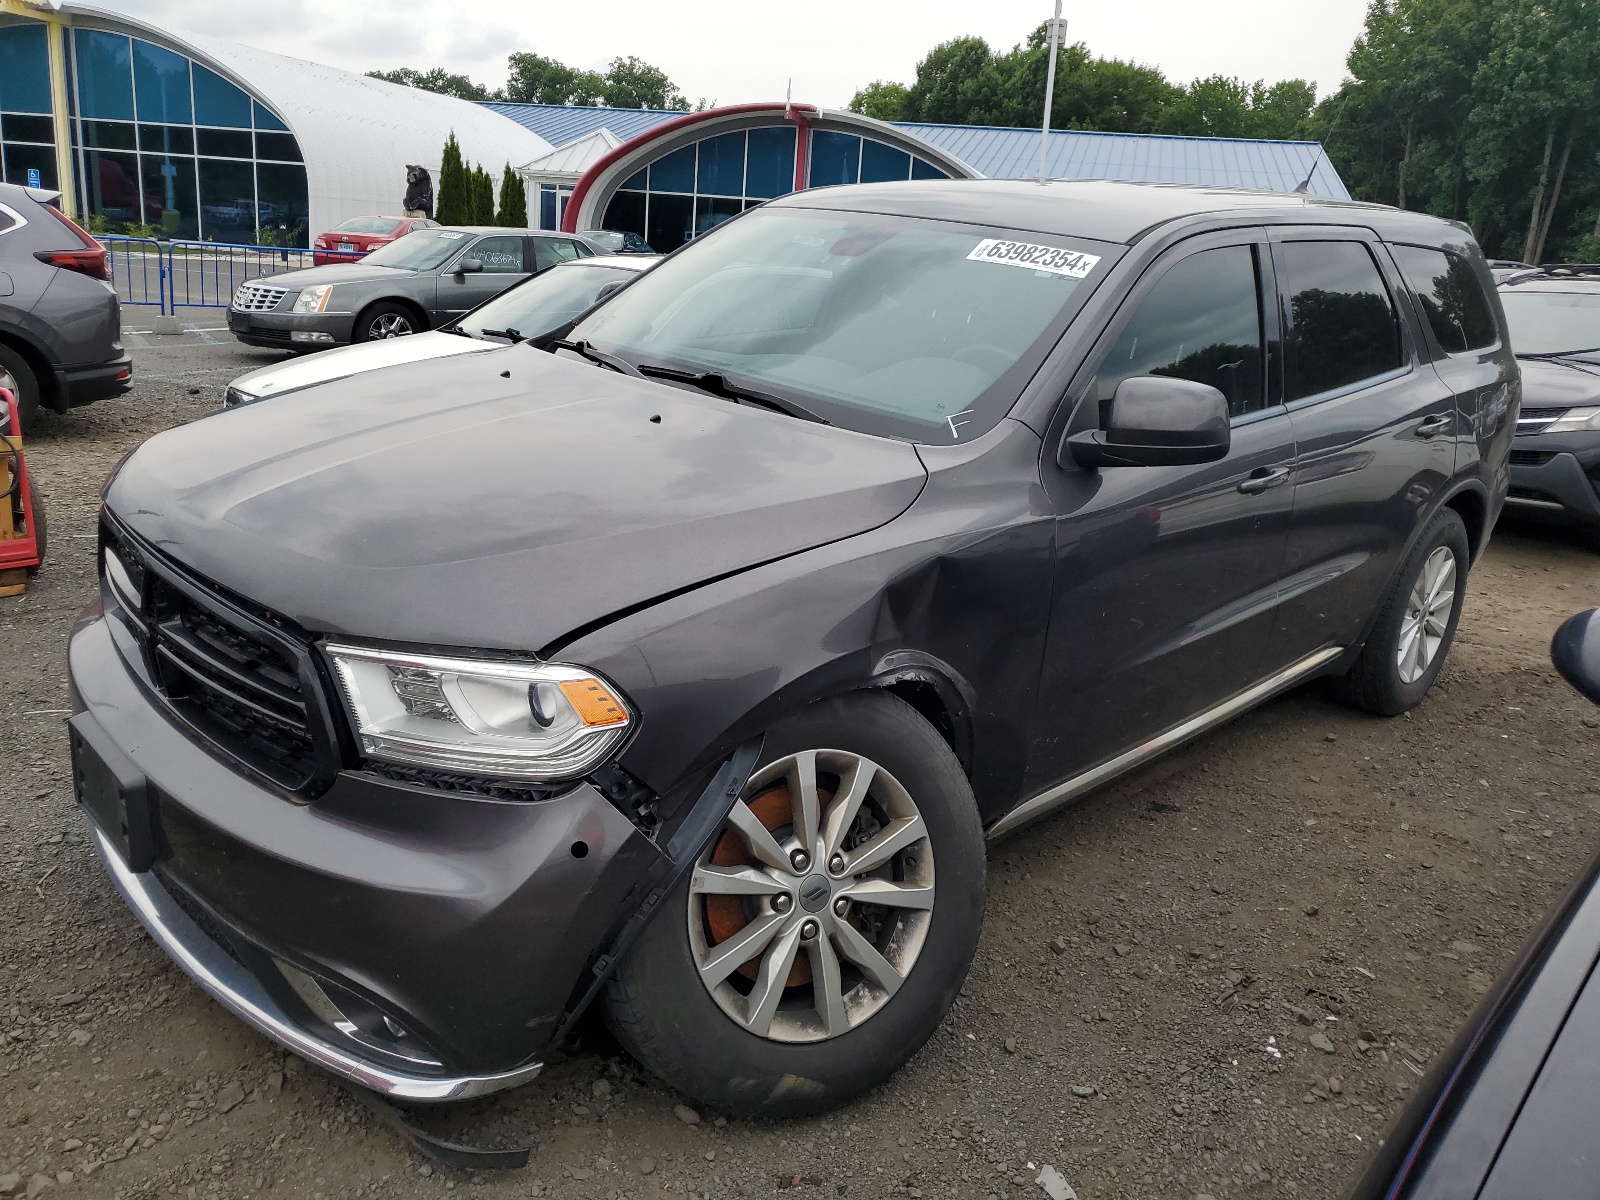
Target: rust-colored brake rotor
725, 914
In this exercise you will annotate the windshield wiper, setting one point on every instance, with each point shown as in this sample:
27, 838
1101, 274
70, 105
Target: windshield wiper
1549, 354
512, 334
599, 357
456, 329
715, 383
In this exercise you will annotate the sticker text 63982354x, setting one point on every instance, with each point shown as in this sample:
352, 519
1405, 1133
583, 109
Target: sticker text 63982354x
1058, 260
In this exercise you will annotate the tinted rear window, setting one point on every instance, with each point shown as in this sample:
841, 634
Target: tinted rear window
1342, 324
376, 225
1452, 299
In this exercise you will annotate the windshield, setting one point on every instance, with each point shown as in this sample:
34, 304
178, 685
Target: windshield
377, 225
545, 301
919, 329
418, 250
605, 238
1552, 322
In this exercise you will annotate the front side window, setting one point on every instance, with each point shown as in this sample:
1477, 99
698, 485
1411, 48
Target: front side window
911, 328
1450, 296
1342, 324
499, 255
1200, 321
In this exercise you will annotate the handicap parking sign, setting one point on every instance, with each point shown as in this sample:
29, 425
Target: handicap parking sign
34, 179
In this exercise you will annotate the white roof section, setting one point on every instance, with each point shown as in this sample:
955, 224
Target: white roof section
574, 158
357, 134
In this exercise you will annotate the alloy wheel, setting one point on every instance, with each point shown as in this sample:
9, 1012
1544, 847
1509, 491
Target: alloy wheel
812, 905
1427, 616
390, 325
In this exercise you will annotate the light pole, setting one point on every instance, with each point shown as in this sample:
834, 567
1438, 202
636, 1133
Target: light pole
1057, 34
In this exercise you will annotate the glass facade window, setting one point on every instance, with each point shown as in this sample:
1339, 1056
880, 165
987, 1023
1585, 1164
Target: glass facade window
161, 84
167, 139
696, 187
283, 206
24, 69
170, 201
224, 143
104, 64
218, 102
553, 199
20, 159
278, 146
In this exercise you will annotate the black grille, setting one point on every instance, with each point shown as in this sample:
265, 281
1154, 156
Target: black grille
245, 683
1531, 458
263, 334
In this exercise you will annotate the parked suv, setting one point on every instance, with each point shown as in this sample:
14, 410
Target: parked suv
696, 662
60, 324
424, 280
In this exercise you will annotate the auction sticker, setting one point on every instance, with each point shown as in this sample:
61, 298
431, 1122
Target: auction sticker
1058, 260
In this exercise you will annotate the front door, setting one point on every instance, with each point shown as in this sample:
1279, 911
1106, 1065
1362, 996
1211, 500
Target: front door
503, 258
1165, 577
1376, 429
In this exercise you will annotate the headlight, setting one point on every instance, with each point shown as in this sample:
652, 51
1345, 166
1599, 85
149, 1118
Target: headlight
503, 719
1577, 420
313, 299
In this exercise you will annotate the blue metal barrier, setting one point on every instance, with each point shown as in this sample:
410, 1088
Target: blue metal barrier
206, 274
138, 269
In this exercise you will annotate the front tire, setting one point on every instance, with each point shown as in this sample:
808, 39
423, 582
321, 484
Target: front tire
386, 319
1417, 624
827, 928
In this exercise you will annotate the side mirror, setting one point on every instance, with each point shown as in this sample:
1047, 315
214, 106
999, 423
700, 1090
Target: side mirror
609, 289
469, 266
1155, 422
1575, 652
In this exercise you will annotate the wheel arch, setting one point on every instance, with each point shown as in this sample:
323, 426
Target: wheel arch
1471, 503
39, 360
936, 690
405, 302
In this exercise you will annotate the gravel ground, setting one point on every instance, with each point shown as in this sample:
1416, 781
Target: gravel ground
1221, 977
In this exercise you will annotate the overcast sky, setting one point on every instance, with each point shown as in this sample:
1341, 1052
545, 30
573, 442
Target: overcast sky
739, 50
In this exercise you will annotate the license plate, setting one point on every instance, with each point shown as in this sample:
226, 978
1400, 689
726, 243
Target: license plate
112, 791
347, 245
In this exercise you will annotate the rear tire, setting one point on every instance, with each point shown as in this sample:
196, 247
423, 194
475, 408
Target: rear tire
823, 1047
386, 319
1416, 625
17, 376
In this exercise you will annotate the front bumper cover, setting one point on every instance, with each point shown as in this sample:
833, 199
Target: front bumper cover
467, 921
277, 329
1553, 477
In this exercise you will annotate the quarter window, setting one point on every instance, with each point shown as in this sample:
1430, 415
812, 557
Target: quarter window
1201, 321
1342, 324
499, 255
1448, 291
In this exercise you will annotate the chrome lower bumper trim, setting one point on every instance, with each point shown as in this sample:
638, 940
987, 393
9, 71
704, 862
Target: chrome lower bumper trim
1526, 502
1037, 806
238, 991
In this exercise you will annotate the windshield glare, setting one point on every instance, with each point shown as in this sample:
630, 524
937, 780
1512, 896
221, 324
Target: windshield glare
545, 301
911, 328
419, 250
1552, 322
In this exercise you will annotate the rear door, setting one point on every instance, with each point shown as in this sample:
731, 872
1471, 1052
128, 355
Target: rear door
1166, 577
1375, 427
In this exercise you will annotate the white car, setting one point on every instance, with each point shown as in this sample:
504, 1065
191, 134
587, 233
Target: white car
531, 310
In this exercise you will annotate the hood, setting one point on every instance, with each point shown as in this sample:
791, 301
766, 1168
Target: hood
304, 372
1554, 384
497, 500
345, 272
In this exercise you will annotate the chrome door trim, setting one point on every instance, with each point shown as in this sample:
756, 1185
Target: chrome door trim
1051, 798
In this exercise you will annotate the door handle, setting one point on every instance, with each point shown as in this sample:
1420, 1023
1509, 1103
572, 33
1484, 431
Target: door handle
1434, 426
1263, 478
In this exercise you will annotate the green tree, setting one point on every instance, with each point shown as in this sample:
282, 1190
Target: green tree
535, 79
437, 80
513, 213
482, 194
881, 99
633, 83
452, 202
946, 87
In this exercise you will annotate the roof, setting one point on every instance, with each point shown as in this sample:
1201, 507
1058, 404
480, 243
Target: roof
356, 134
1094, 209
999, 153
575, 157
559, 124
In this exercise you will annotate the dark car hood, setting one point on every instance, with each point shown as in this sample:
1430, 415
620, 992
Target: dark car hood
1554, 384
350, 272
443, 503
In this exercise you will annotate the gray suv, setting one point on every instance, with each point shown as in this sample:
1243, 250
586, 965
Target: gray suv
424, 280
60, 324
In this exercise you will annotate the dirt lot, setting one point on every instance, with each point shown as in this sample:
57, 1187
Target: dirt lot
1153, 944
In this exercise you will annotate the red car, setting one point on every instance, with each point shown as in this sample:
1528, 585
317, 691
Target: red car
362, 235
